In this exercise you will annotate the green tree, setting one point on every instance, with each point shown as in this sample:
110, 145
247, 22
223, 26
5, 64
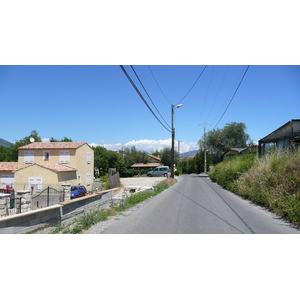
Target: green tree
219, 141
7, 153
134, 156
64, 139
101, 160
166, 157
105, 159
25, 141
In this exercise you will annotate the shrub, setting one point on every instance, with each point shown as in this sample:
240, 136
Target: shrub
227, 172
274, 182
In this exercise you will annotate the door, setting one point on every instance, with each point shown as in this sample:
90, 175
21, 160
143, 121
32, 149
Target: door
35, 183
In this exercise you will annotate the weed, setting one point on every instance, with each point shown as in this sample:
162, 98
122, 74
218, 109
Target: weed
272, 181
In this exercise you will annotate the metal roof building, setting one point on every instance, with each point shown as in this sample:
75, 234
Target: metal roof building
286, 137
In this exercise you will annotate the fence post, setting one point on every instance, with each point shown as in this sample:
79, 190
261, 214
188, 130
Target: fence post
48, 191
66, 187
24, 200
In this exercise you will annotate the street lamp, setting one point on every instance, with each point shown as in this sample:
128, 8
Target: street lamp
173, 137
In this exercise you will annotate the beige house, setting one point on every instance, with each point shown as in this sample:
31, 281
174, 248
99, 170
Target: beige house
6, 173
41, 164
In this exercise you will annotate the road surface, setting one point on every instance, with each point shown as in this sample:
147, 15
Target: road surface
195, 205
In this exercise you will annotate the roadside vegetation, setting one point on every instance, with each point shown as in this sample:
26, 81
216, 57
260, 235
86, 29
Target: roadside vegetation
272, 181
89, 219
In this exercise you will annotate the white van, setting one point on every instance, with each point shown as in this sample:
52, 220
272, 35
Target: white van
158, 171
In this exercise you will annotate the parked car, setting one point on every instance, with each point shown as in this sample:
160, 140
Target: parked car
7, 190
159, 171
77, 191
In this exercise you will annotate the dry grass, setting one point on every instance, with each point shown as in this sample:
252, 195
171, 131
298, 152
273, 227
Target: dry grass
274, 182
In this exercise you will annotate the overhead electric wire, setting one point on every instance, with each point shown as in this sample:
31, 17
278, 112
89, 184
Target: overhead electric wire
149, 96
192, 85
159, 86
217, 94
141, 96
232, 96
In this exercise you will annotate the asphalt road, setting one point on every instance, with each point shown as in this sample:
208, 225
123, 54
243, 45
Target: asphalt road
195, 205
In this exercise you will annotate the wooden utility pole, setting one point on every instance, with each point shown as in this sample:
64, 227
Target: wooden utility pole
205, 163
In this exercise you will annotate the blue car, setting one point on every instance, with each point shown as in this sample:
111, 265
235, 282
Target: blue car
77, 191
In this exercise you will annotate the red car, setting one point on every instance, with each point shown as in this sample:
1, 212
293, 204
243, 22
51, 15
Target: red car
7, 190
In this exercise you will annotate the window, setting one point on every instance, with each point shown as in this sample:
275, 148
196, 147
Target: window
7, 180
88, 157
79, 179
64, 156
46, 155
28, 157
88, 179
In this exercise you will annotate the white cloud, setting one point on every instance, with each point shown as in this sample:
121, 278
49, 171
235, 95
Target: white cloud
149, 145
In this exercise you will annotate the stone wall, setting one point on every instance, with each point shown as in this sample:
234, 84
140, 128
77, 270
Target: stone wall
22, 198
52, 216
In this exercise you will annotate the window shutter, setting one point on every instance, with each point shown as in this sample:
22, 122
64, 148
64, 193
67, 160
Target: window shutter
28, 157
64, 156
88, 179
88, 157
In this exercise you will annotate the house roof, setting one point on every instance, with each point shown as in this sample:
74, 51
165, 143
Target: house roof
53, 145
58, 168
154, 157
8, 166
149, 165
290, 129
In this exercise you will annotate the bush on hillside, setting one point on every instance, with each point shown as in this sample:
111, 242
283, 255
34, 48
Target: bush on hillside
227, 172
274, 182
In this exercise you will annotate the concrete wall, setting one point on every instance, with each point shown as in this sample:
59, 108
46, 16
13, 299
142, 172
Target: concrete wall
50, 217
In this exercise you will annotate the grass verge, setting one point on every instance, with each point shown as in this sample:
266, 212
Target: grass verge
272, 181
89, 219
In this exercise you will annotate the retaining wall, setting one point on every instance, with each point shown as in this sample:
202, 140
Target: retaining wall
52, 216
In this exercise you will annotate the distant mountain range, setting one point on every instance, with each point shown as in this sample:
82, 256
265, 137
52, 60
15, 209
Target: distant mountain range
5, 143
189, 153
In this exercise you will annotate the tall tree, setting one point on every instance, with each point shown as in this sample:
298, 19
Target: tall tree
133, 156
219, 141
25, 141
105, 159
64, 139
165, 156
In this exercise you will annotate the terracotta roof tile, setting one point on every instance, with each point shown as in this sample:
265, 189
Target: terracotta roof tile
149, 165
57, 167
53, 145
53, 167
8, 166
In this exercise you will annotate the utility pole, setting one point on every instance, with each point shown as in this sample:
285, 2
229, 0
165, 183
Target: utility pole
173, 138
205, 163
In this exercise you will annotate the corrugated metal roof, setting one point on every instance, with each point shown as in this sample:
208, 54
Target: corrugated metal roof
288, 130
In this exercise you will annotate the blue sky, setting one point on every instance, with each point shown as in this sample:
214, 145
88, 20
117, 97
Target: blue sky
98, 104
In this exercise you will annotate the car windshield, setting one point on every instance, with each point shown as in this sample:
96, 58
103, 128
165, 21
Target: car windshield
74, 188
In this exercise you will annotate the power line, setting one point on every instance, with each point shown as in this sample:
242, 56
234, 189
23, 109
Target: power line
149, 96
232, 96
159, 86
192, 85
141, 96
